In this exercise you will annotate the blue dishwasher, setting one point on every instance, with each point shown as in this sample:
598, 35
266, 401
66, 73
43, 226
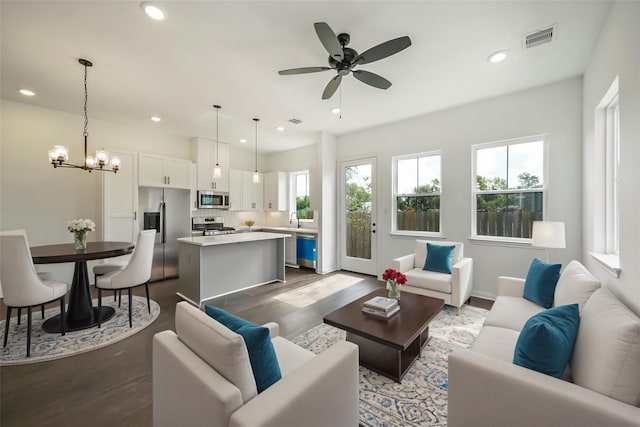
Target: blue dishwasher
306, 250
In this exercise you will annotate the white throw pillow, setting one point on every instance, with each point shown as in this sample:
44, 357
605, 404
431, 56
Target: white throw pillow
219, 346
606, 356
575, 286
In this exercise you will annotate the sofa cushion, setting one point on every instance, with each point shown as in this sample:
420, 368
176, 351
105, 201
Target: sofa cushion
575, 286
431, 280
511, 312
495, 342
547, 339
439, 258
540, 284
218, 346
262, 355
290, 355
606, 357
420, 252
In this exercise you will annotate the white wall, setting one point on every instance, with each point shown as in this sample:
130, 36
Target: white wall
554, 109
617, 53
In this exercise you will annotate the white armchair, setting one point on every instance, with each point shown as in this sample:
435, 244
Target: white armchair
454, 288
201, 377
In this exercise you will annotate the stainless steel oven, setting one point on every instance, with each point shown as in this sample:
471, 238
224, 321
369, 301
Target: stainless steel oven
213, 200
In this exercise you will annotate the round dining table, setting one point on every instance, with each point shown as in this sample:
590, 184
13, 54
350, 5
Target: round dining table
80, 314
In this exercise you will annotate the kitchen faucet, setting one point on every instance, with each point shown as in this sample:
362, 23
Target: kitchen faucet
297, 216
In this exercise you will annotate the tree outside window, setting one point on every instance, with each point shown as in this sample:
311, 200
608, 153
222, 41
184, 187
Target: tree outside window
509, 188
417, 193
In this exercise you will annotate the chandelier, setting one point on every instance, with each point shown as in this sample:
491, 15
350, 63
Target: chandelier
59, 154
256, 175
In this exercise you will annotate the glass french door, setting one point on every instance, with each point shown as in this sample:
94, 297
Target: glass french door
358, 215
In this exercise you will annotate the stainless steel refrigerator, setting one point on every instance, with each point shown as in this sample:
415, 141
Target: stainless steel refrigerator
166, 210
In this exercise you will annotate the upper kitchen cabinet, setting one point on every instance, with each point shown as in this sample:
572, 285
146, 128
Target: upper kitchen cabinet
244, 194
158, 171
275, 191
206, 154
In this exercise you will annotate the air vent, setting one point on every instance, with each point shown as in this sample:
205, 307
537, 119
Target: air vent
295, 121
539, 37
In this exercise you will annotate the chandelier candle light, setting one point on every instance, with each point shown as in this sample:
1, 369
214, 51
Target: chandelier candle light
59, 154
79, 228
394, 280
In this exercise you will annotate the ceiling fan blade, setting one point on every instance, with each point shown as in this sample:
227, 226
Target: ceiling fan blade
304, 70
383, 50
329, 40
371, 79
331, 87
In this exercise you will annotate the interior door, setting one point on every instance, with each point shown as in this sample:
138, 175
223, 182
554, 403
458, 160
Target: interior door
358, 215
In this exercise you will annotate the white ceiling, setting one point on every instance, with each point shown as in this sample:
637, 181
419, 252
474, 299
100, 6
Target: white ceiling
229, 52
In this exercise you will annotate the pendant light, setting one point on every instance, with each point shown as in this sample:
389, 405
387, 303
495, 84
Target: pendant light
256, 175
59, 154
217, 170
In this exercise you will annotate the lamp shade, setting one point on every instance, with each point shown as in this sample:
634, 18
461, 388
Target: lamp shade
548, 234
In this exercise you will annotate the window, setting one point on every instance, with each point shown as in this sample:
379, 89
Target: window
606, 242
509, 187
417, 192
300, 192
612, 158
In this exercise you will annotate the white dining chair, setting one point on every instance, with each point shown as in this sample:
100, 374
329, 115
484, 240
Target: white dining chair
102, 269
21, 285
136, 273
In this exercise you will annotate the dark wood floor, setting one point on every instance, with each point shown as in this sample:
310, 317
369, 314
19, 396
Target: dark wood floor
111, 386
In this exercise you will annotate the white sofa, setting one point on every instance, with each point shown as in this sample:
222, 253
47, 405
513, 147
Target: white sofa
454, 288
600, 387
315, 390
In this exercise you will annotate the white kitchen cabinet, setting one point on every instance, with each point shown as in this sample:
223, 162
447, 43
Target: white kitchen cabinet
206, 154
275, 191
244, 194
158, 171
120, 200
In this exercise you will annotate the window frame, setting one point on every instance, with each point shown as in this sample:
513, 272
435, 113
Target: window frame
395, 195
293, 187
517, 241
612, 178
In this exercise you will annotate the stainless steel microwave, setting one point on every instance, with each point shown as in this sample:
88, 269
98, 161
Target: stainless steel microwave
213, 200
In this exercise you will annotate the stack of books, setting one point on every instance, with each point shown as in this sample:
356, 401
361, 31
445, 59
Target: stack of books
381, 307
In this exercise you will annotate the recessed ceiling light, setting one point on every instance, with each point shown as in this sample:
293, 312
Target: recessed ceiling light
153, 11
243, 141
498, 56
27, 92
155, 119
335, 110
280, 128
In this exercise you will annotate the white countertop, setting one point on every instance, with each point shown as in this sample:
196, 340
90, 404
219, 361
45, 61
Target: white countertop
292, 229
224, 239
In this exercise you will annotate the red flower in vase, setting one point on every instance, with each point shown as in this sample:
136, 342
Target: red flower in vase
391, 274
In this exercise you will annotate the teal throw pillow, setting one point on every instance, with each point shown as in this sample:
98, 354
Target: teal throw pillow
546, 341
540, 284
262, 355
439, 258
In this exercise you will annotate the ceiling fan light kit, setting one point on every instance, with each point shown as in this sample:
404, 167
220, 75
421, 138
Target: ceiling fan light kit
343, 59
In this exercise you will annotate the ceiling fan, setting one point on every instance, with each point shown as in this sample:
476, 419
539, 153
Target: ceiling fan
343, 59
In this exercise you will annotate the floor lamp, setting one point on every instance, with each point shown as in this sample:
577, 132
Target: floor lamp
548, 234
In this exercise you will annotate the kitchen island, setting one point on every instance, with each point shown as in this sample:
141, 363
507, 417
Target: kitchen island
212, 266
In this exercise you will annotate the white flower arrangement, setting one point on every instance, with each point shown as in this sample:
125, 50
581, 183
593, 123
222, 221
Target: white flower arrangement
82, 225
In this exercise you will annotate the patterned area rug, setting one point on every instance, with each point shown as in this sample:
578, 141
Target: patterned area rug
421, 398
46, 346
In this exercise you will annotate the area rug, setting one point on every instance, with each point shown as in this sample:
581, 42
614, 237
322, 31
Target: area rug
421, 398
46, 346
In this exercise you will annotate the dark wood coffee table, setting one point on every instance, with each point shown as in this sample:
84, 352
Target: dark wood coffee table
388, 346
